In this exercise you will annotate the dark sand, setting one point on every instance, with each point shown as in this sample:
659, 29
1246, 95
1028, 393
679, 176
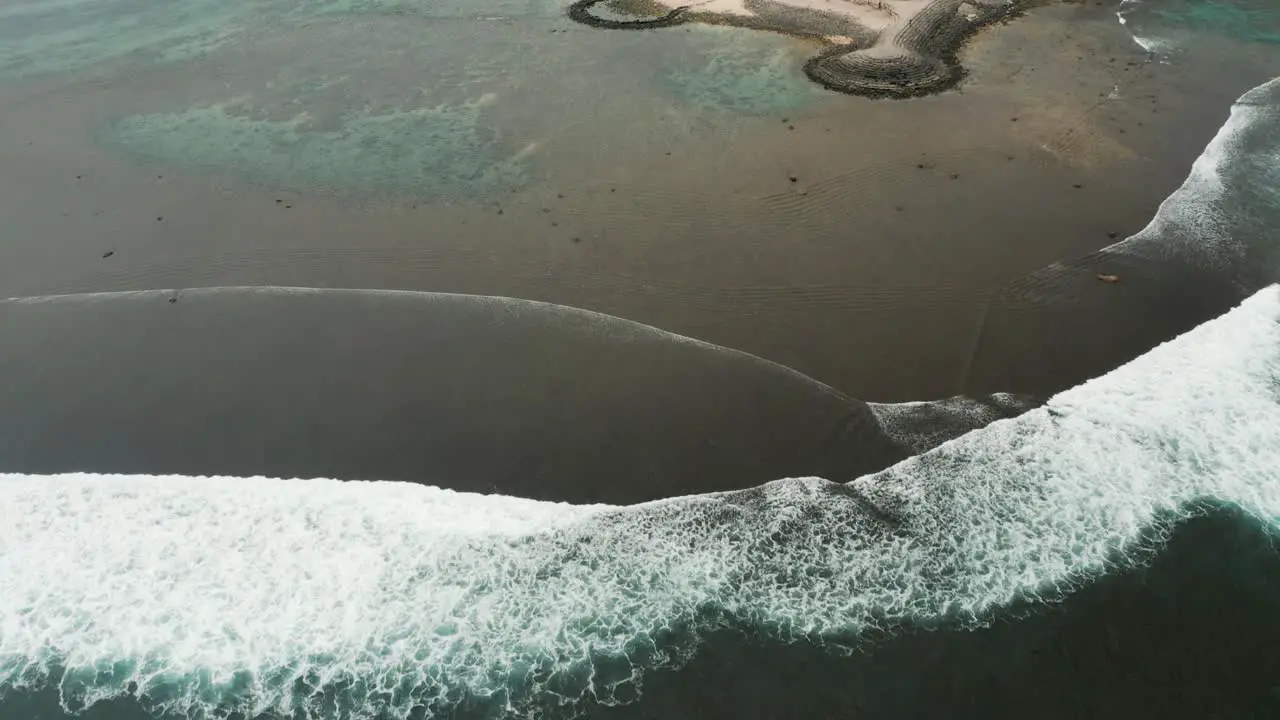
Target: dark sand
868, 272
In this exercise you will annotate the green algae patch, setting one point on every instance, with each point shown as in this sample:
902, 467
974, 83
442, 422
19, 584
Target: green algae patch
439, 153
743, 73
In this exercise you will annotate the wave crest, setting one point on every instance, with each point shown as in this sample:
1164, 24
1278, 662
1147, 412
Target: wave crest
375, 599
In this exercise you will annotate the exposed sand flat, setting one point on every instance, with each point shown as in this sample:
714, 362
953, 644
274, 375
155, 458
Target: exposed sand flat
879, 48
875, 15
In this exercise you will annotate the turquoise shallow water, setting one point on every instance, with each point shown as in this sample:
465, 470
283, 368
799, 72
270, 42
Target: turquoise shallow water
1252, 22
1245, 21
434, 152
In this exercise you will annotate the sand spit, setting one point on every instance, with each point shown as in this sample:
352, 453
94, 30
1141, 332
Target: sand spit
874, 48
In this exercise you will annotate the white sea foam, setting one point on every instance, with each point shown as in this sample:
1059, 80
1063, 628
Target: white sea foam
242, 591
922, 426
1153, 45
1195, 221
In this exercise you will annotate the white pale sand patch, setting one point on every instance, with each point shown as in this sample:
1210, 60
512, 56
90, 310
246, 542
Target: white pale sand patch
875, 15
885, 19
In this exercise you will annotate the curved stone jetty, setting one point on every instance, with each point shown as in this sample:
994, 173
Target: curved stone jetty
873, 48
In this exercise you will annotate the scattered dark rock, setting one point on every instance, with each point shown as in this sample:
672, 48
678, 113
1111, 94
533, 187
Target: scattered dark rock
1077, 186
108, 253
955, 176
919, 166
613, 189
77, 177
793, 178
791, 127
899, 208
1013, 119
786, 120
173, 300
287, 206
1112, 235
546, 210
577, 239
278, 200
555, 224
560, 195
159, 218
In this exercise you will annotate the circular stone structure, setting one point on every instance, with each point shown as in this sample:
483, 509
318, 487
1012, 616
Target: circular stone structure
874, 48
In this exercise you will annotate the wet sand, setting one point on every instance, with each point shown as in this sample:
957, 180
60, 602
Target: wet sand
855, 241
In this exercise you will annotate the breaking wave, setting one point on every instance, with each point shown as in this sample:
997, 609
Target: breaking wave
207, 596
1212, 243
1142, 501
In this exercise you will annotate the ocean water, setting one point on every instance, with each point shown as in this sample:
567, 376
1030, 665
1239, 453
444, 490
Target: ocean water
1212, 242
1165, 25
466, 392
1112, 553
229, 597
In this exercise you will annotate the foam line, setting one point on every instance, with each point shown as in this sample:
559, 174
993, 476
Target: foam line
468, 392
249, 594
